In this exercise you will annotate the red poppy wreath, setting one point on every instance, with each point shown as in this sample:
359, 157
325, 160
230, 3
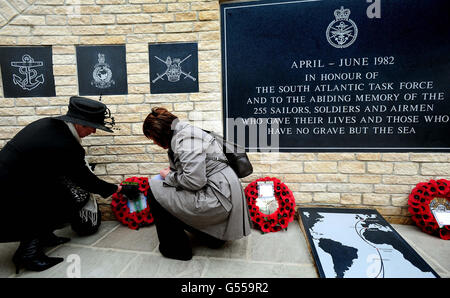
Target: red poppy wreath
134, 214
426, 198
281, 217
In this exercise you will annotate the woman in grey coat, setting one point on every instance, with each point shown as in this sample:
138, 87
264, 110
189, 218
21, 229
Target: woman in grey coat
198, 192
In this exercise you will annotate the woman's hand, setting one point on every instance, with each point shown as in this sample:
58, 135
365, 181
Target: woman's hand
131, 191
164, 172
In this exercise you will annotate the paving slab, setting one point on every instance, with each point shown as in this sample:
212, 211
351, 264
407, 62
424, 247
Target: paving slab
282, 247
144, 239
6, 253
105, 228
116, 251
237, 249
92, 263
244, 269
155, 265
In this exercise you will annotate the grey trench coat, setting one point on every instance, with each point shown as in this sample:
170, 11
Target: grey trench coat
200, 190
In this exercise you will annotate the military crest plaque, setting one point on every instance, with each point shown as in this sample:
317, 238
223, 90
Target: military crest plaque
343, 75
102, 70
27, 71
173, 68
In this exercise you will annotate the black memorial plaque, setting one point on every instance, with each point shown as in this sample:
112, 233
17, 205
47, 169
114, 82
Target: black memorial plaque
337, 75
173, 68
102, 70
27, 71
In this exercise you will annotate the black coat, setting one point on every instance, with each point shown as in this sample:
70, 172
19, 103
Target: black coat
32, 164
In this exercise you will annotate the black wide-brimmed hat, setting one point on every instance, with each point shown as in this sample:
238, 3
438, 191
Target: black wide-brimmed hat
89, 112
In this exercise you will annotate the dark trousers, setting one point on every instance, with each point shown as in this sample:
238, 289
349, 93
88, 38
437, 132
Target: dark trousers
173, 241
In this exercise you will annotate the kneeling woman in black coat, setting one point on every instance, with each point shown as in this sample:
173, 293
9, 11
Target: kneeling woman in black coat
45, 180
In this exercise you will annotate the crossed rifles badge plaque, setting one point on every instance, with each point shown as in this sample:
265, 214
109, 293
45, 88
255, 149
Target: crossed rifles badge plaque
27, 71
173, 68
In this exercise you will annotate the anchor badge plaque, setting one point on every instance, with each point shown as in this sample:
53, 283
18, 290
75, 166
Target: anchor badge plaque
26, 67
27, 71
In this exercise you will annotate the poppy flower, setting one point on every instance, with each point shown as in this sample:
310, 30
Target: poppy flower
122, 199
119, 216
148, 218
114, 203
139, 217
133, 225
276, 228
143, 185
443, 187
265, 228
444, 234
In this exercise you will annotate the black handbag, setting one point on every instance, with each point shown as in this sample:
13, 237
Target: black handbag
86, 227
85, 217
237, 159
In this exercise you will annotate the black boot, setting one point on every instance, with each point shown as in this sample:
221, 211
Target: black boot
206, 239
30, 256
51, 240
176, 253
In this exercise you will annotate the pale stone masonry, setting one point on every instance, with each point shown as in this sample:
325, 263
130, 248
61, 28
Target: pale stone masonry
369, 180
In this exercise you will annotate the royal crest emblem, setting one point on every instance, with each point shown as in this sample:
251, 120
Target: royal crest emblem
342, 32
31, 79
102, 74
173, 71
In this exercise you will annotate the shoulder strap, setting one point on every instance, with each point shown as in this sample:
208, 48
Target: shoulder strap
214, 156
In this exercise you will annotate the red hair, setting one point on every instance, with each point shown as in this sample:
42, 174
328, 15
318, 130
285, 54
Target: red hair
158, 126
